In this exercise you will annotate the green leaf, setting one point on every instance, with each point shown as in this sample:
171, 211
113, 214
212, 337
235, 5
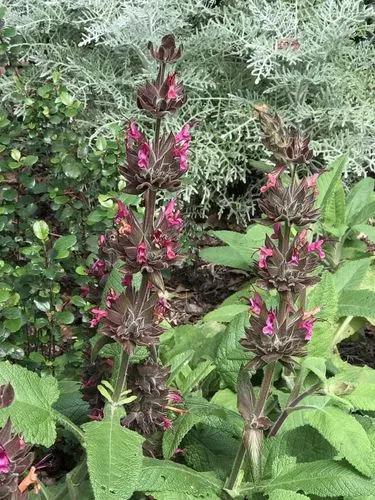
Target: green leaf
13, 325
362, 397
72, 169
41, 230
165, 476
114, 281
66, 98
31, 412
230, 356
358, 198
327, 181
15, 154
324, 478
195, 377
226, 313
65, 317
62, 246
114, 457
29, 160
70, 402
226, 256
368, 230
341, 430
357, 303
323, 295
333, 215
286, 495
200, 411
350, 274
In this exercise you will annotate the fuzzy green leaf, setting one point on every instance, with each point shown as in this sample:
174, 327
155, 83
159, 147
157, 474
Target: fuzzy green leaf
358, 198
227, 256
286, 495
323, 295
324, 478
327, 181
350, 274
164, 476
31, 412
342, 431
357, 303
230, 356
226, 313
114, 457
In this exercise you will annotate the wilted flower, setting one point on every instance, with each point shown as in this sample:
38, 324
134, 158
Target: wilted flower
111, 298
122, 213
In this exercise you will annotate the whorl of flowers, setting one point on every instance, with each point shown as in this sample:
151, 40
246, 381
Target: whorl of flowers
287, 261
148, 413
15, 455
146, 244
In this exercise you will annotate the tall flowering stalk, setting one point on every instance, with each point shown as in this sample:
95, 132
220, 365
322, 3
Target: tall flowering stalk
287, 262
146, 245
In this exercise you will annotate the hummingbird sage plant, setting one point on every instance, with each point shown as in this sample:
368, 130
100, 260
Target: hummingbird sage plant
287, 264
146, 245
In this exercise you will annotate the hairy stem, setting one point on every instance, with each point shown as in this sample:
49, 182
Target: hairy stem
237, 465
122, 371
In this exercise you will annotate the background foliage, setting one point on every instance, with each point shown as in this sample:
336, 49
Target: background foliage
311, 60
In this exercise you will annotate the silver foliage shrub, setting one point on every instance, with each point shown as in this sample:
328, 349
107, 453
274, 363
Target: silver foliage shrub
312, 60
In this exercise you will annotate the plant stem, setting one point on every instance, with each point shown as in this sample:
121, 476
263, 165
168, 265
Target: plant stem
121, 376
341, 329
283, 416
237, 464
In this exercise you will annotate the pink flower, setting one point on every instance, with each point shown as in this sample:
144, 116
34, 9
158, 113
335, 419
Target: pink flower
170, 253
142, 253
302, 237
111, 298
97, 268
256, 304
98, 315
4, 461
312, 183
294, 261
308, 326
172, 215
173, 91
179, 450
127, 280
276, 231
122, 212
268, 329
175, 397
272, 178
167, 423
144, 156
101, 240
264, 253
181, 149
308, 322
134, 133
316, 247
